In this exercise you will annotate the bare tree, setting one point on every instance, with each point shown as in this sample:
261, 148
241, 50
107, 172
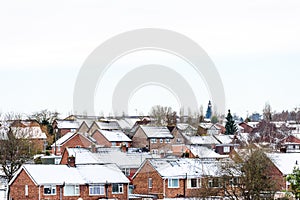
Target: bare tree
14, 151
44, 117
250, 176
160, 113
267, 112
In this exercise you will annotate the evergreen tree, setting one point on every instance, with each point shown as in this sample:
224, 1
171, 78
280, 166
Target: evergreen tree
230, 125
294, 180
208, 111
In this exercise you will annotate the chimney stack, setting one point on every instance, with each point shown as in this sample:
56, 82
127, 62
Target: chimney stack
71, 161
124, 148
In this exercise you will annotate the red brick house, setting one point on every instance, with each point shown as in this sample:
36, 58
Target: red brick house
113, 138
171, 178
284, 164
127, 162
62, 127
158, 140
69, 182
72, 139
247, 128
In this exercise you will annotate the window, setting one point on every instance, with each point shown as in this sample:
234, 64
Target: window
126, 171
50, 190
214, 183
226, 149
161, 140
234, 181
113, 144
26, 190
117, 188
71, 190
150, 183
173, 183
210, 183
154, 151
178, 140
96, 189
153, 140
194, 183
167, 140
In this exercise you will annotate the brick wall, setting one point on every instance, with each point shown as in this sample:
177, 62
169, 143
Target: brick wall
160, 185
77, 140
17, 191
140, 181
139, 139
101, 140
17, 188
83, 128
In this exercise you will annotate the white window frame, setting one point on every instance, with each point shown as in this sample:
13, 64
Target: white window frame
171, 182
52, 189
233, 182
178, 140
76, 190
113, 144
120, 188
150, 183
167, 140
161, 140
101, 189
26, 190
210, 183
153, 140
198, 183
155, 151
226, 149
126, 171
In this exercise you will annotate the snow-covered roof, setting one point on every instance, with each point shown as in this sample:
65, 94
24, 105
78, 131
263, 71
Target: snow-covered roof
224, 139
182, 168
184, 126
127, 123
205, 125
202, 140
121, 159
285, 162
67, 124
115, 136
3, 132
64, 138
156, 131
81, 174
34, 132
253, 124
109, 125
204, 152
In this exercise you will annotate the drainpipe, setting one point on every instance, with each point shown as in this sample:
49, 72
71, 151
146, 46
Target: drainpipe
127, 191
184, 184
106, 190
164, 186
39, 192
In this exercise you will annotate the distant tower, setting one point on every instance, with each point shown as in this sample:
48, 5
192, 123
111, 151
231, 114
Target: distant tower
208, 111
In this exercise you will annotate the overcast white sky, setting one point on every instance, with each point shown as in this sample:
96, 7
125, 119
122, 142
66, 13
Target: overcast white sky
255, 46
